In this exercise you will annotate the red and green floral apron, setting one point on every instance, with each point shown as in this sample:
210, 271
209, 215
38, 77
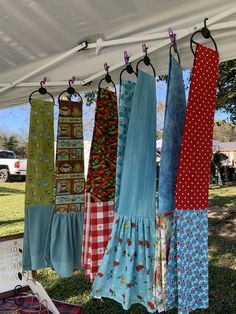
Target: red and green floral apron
100, 185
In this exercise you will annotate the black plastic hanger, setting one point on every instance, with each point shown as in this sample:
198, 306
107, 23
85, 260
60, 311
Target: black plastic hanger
145, 60
128, 67
70, 90
173, 45
107, 78
205, 33
42, 91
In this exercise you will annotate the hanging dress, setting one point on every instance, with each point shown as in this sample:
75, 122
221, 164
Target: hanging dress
127, 270
39, 184
125, 102
187, 273
170, 151
100, 185
64, 241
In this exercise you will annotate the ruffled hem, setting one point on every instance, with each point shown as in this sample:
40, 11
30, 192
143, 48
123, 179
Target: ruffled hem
126, 273
64, 242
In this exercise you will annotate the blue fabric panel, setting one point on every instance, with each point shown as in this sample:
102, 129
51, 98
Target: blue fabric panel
138, 183
64, 246
173, 129
125, 102
37, 222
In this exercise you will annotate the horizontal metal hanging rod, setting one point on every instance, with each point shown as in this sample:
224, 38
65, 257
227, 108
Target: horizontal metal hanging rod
45, 66
162, 36
218, 26
179, 35
222, 26
162, 44
52, 83
157, 36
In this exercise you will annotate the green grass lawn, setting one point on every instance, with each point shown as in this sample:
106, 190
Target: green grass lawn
222, 249
12, 197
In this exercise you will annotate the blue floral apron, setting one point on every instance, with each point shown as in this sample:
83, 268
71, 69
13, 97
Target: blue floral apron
127, 270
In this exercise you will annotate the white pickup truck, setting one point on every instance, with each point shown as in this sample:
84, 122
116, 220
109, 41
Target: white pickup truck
10, 166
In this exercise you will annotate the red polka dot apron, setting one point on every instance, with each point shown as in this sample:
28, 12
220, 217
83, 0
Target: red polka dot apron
187, 274
100, 185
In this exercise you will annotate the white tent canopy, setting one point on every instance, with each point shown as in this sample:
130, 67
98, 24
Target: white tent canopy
41, 38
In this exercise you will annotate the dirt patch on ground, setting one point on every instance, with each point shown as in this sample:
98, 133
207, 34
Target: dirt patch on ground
222, 221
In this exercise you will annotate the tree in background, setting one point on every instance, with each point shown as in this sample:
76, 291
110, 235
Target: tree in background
10, 142
224, 131
13, 142
1, 141
226, 93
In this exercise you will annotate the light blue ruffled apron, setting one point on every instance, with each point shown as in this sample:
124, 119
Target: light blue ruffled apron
127, 270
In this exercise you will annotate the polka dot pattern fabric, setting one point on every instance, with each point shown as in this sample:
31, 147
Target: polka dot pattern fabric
187, 273
196, 146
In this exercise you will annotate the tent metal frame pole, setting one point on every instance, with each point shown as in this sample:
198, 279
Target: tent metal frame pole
215, 27
179, 36
157, 36
48, 83
162, 36
61, 57
222, 26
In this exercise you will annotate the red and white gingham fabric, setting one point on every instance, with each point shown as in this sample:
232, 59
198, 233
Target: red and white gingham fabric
98, 222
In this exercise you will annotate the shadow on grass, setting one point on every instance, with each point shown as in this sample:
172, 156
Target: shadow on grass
223, 222
8, 222
10, 191
222, 201
64, 288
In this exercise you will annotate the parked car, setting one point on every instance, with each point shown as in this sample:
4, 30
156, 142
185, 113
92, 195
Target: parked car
10, 166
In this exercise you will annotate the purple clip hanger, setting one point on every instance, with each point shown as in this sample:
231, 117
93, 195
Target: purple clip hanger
72, 80
126, 57
106, 67
44, 80
173, 45
171, 35
144, 47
